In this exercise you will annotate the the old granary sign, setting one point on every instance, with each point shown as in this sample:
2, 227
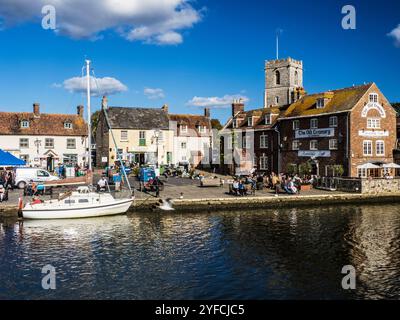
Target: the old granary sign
315, 133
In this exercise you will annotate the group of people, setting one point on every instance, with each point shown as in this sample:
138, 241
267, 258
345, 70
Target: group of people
241, 186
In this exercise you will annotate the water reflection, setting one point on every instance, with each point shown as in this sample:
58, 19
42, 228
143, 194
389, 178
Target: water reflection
271, 254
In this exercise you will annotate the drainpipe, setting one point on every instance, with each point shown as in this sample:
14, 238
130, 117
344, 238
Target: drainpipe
347, 146
279, 148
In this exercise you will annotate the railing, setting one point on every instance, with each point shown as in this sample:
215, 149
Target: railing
339, 183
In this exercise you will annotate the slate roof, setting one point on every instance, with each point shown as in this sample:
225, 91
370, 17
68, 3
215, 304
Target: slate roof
191, 121
138, 118
43, 124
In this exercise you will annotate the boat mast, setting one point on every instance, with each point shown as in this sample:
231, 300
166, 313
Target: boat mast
89, 116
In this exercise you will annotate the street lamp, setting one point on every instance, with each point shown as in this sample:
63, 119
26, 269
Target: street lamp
38, 143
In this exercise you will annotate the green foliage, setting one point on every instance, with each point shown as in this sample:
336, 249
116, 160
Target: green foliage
292, 168
338, 169
305, 168
95, 122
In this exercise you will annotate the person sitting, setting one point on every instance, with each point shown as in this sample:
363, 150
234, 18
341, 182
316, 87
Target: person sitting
235, 187
3, 193
36, 200
290, 187
242, 188
101, 184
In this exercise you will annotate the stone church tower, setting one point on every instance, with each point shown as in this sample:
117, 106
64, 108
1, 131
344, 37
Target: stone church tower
283, 82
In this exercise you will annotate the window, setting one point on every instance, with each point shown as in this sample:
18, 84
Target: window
230, 143
42, 173
71, 144
268, 118
142, 138
314, 145
184, 128
333, 121
67, 125
70, 158
250, 121
320, 103
277, 77
24, 124
295, 145
68, 201
276, 100
373, 97
264, 141
124, 135
263, 163
49, 143
333, 145
24, 143
314, 123
183, 158
83, 200
235, 123
296, 78
373, 123
246, 142
367, 148
296, 124
380, 148
24, 157
202, 129
183, 145
362, 173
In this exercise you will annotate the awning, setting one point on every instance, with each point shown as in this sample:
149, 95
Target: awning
8, 160
391, 165
368, 165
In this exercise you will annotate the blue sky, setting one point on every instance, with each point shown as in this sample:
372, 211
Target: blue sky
212, 49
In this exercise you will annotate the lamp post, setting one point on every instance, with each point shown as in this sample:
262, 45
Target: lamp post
38, 143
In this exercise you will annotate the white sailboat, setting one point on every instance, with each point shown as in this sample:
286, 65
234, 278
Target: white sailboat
82, 203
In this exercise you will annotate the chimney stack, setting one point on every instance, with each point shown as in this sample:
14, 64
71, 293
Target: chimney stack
207, 112
237, 106
79, 110
165, 108
104, 102
36, 108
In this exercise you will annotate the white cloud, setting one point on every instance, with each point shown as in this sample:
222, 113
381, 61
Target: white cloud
98, 86
153, 94
215, 102
150, 21
395, 34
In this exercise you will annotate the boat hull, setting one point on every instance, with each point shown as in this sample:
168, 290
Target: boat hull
107, 209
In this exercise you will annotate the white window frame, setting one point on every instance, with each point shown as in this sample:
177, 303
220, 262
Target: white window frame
183, 145
264, 141
24, 145
312, 142
49, 145
229, 143
333, 144
246, 141
295, 145
362, 172
320, 103
124, 135
367, 143
296, 124
250, 121
71, 145
373, 123
24, 124
314, 123
67, 125
184, 128
263, 162
377, 149
268, 119
333, 121
235, 123
373, 97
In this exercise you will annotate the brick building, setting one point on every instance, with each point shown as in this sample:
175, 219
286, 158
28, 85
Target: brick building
338, 132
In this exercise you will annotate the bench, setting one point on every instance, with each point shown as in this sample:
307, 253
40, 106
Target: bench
208, 182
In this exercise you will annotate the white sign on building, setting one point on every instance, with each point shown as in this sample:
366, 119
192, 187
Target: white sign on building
314, 154
372, 134
315, 133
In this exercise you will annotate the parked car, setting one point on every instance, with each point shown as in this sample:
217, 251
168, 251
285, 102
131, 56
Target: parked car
24, 175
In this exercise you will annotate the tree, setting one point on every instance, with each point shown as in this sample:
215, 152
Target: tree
215, 124
95, 122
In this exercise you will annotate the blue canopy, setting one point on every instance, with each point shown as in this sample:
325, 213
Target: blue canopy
8, 160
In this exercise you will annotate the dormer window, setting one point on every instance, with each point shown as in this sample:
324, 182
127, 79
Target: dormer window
67, 125
268, 118
184, 128
24, 124
320, 103
250, 121
235, 123
202, 129
373, 97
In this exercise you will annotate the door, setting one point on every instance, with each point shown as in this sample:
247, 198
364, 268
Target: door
50, 163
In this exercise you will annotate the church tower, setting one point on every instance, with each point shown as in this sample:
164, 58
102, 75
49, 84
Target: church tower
283, 82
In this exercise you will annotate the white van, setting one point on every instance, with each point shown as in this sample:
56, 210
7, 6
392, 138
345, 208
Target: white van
24, 175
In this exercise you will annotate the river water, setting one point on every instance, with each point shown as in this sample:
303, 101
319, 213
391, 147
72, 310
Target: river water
269, 254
